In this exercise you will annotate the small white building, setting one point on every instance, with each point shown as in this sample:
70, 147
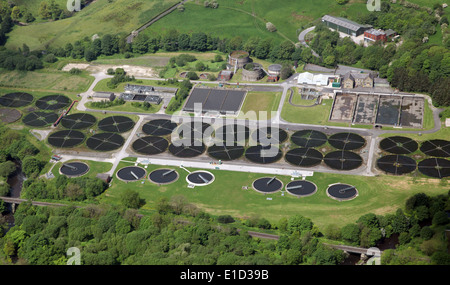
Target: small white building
447, 122
313, 79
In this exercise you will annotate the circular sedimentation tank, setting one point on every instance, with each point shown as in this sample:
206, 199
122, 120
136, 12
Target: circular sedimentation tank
200, 178
342, 192
163, 176
74, 169
267, 185
301, 188
131, 173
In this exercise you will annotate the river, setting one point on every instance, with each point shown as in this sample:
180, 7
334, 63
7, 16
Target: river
15, 182
386, 243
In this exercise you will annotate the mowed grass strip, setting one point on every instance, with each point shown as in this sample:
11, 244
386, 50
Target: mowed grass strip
256, 102
380, 195
317, 115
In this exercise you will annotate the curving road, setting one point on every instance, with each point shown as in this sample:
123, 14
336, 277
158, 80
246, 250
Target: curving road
301, 38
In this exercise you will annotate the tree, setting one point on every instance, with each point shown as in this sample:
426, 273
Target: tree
16, 13
351, 233
200, 66
184, 42
286, 72
426, 233
440, 218
108, 45
50, 58
286, 49
332, 231
225, 219
198, 41
417, 200
74, 192
4, 189
369, 220
140, 44
89, 55
43, 10
7, 168
192, 75
131, 199
299, 224
31, 166
263, 49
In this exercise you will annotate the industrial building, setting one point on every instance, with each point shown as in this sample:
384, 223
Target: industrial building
316, 79
345, 25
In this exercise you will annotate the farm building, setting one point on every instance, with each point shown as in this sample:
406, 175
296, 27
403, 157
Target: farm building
103, 96
344, 25
353, 80
373, 35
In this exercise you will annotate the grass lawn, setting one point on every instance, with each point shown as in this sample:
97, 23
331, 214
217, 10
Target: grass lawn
260, 102
297, 99
226, 196
317, 115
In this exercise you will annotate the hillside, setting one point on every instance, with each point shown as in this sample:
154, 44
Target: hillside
248, 18
100, 17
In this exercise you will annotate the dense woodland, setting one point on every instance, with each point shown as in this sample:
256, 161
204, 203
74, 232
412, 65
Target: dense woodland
178, 233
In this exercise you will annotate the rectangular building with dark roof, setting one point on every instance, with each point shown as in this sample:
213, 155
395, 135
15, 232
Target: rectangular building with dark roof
345, 25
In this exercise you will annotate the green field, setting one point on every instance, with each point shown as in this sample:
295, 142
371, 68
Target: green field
49, 80
317, 115
247, 18
226, 196
100, 17
260, 102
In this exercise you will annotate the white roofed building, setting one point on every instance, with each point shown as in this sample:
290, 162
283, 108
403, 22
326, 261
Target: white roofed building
313, 79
